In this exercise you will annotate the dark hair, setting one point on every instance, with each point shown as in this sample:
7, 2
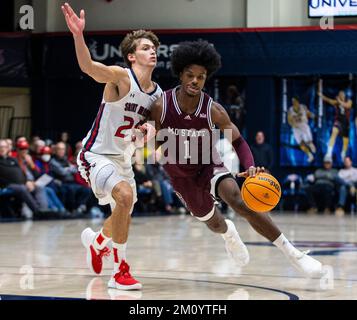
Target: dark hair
198, 52
130, 42
296, 97
19, 136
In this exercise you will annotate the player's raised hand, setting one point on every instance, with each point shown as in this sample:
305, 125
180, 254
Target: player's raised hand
74, 23
339, 100
251, 172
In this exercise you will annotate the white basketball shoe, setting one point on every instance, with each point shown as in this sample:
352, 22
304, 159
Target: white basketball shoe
235, 247
308, 266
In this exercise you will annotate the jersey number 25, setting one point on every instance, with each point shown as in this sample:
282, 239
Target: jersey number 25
128, 126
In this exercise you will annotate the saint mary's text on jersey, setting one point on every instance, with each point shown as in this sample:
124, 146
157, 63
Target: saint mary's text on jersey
134, 107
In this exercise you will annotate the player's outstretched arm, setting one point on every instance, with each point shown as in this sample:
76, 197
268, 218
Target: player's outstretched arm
98, 71
223, 122
328, 100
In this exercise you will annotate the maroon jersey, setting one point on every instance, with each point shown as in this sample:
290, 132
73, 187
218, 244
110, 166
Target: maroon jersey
342, 114
190, 146
342, 120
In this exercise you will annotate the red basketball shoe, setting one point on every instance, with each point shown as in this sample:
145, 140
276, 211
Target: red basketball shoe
123, 280
94, 256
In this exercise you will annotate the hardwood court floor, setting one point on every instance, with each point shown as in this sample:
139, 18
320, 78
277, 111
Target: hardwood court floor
179, 258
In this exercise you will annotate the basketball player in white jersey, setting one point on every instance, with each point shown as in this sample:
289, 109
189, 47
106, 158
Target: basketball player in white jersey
298, 116
105, 161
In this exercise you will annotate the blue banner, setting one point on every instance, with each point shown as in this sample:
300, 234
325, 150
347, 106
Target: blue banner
243, 53
308, 121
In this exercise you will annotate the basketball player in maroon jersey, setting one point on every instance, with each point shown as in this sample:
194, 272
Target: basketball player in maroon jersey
186, 115
341, 125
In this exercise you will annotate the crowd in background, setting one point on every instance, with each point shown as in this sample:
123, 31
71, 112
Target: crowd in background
39, 179
326, 190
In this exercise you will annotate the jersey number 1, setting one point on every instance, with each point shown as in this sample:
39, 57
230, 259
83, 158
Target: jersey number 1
187, 149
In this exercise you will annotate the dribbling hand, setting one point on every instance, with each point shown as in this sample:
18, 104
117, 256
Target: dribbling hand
251, 172
74, 23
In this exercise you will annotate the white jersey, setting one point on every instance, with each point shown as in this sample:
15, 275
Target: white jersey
111, 131
299, 116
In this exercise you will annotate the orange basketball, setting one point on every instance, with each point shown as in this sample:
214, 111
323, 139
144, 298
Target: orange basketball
261, 193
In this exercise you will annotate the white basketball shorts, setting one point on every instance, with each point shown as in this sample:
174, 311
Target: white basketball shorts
92, 165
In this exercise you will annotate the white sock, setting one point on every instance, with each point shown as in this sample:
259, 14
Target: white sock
312, 147
231, 230
119, 253
285, 246
101, 240
329, 150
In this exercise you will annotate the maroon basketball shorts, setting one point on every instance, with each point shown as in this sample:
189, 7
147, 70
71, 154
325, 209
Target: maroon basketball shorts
199, 192
343, 126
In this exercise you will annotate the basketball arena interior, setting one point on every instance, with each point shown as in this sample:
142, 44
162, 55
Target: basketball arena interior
287, 82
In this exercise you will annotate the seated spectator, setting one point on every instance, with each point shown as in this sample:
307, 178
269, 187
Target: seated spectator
43, 159
162, 185
325, 186
34, 142
75, 195
64, 137
34, 139
42, 167
234, 104
262, 152
35, 148
348, 176
18, 139
79, 147
145, 187
29, 170
11, 146
13, 178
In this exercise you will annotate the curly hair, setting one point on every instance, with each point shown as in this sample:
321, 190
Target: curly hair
198, 52
130, 42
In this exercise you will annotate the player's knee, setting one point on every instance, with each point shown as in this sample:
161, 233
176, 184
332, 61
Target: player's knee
123, 195
234, 198
241, 208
